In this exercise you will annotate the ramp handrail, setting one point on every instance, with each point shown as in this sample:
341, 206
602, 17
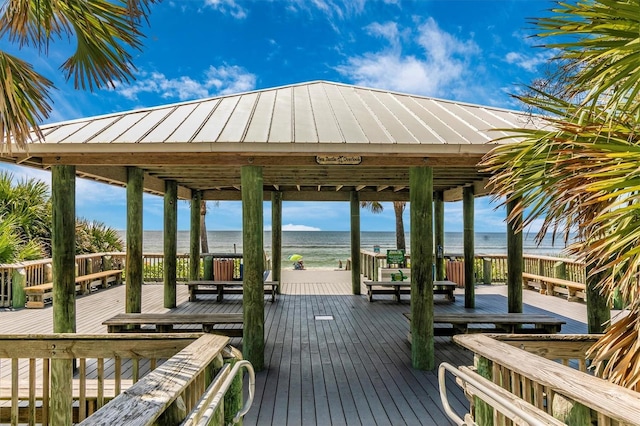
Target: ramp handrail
519, 411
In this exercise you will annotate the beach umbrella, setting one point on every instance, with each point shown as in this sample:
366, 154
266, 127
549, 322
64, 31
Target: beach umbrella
295, 257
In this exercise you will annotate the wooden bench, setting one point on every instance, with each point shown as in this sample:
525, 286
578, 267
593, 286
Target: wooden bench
396, 288
551, 286
165, 323
225, 287
39, 295
464, 323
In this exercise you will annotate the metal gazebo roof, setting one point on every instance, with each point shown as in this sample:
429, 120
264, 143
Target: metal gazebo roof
315, 141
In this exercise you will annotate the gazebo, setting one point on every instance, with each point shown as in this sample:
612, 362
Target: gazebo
315, 141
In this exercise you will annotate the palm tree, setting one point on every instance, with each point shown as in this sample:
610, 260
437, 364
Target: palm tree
105, 32
577, 168
398, 207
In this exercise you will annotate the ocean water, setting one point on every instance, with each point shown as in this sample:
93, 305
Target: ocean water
322, 249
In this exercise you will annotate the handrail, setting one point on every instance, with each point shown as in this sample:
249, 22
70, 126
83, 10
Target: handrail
521, 413
215, 394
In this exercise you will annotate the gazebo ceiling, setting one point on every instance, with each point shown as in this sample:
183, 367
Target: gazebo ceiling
315, 141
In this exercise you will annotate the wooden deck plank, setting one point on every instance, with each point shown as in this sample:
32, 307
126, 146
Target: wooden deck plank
355, 369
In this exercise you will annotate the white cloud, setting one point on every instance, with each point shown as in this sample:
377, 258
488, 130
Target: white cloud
227, 7
292, 227
528, 62
220, 80
441, 66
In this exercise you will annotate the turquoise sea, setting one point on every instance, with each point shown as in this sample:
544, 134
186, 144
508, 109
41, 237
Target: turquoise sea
322, 249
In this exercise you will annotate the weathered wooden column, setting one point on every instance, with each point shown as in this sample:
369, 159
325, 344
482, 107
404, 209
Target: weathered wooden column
134, 266
469, 255
194, 236
276, 236
439, 234
253, 250
515, 261
170, 242
421, 199
598, 310
355, 242
63, 250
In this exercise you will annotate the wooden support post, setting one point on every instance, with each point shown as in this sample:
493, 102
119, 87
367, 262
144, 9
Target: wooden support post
253, 247
170, 269
134, 269
276, 236
63, 249
469, 256
194, 241
560, 270
484, 412
487, 270
18, 283
598, 311
422, 336
439, 234
515, 260
355, 243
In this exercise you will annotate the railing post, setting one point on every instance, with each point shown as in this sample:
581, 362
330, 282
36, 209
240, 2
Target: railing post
18, 282
483, 411
487, 267
570, 412
560, 270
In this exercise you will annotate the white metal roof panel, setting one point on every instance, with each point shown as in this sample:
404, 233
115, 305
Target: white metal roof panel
302, 113
260, 124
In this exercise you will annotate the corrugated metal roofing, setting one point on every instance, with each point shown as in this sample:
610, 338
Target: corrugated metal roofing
315, 112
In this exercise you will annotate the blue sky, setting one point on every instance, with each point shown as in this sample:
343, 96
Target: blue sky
469, 50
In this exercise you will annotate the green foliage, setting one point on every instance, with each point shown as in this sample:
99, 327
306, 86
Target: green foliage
576, 170
104, 31
96, 237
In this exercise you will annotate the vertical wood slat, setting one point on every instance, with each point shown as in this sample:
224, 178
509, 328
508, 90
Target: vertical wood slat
118, 374
15, 372
135, 370
549, 393
32, 391
46, 390
82, 412
100, 401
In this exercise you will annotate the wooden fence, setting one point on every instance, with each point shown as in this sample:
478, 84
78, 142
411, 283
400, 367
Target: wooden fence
549, 373
105, 366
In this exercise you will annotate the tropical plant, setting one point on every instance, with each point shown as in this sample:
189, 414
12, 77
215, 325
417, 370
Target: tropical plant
398, 207
576, 167
105, 31
96, 237
13, 249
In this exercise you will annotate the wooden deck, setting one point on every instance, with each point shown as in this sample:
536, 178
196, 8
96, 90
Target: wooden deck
352, 369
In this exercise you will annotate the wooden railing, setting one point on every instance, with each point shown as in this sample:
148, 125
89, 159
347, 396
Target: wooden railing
26, 274
186, 383
523, 366
491, 268
149, 366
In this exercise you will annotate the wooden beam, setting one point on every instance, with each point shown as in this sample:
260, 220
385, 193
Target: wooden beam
381, 188
422, 335
253, 251
514, 260
232, 195
339, 187
264, 155
194, 237
355, 243
276, 187
468, 237
170, 243
480, 188
134, 262
398, 188
360, 187
117, 175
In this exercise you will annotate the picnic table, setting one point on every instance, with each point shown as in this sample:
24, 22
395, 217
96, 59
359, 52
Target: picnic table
165, 323
450, 324
396, 288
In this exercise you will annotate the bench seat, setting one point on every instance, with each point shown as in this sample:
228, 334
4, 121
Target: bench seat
165, 323
396, 288
39, 295
220, 288
463, 323
551, 286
